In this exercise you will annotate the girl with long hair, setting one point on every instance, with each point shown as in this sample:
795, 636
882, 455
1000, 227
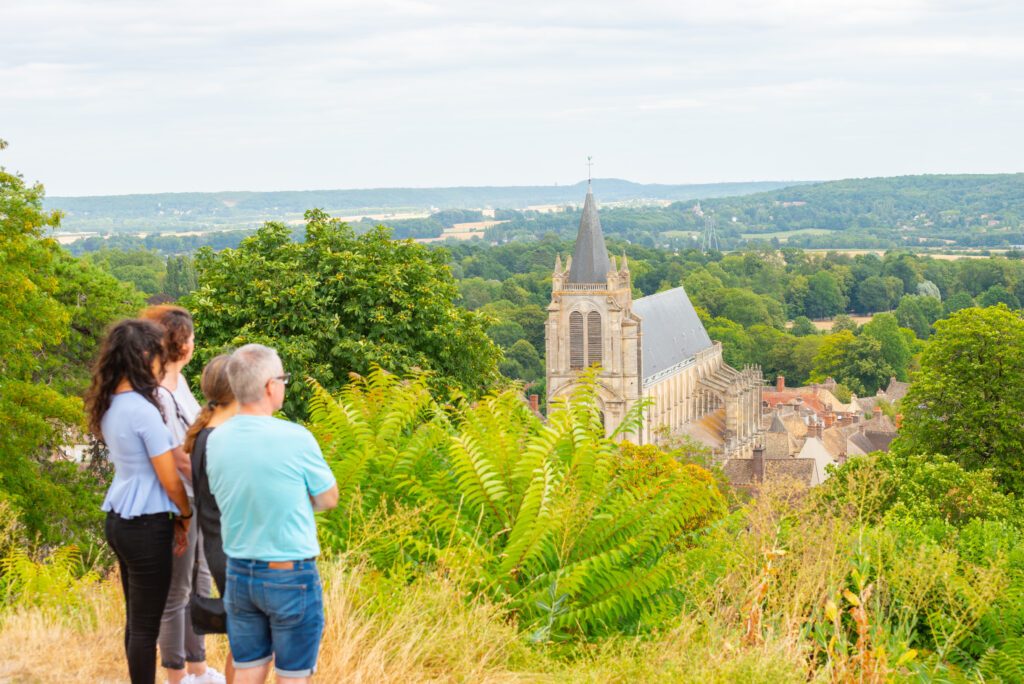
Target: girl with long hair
148, 512
182, 651
220, 406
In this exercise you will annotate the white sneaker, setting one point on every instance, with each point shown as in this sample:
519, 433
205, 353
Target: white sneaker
211, 676
187, 679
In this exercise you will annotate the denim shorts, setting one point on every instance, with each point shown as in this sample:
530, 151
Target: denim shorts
275, 614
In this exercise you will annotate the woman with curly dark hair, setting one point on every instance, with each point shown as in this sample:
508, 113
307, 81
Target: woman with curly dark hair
182, 651
148, 512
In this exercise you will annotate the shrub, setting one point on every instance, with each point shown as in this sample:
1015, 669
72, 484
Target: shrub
545, 517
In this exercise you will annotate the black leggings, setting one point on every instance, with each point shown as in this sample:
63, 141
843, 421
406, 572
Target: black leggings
144, 549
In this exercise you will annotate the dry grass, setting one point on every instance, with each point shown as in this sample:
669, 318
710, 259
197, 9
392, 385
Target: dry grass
430, 635
427, 631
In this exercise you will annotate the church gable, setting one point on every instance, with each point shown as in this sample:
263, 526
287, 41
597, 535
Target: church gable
671, 331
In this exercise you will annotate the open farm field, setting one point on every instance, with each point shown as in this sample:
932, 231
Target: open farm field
783, 235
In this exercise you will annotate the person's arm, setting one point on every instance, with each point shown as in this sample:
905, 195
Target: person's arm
182, 462
177, 429
167, 472
320, 483
325, 501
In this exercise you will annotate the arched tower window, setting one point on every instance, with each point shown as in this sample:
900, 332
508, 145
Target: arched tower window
594, 339
575, 340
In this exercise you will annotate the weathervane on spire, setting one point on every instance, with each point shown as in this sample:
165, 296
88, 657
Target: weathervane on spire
590, 168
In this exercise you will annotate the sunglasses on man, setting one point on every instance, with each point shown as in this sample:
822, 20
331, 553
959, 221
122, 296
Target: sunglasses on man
283, 379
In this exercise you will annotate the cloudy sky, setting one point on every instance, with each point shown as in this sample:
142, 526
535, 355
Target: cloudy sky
124, 96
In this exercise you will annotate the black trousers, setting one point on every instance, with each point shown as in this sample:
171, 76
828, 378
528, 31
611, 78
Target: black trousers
144, 550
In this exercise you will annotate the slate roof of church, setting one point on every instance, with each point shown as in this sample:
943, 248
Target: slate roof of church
671, 331
590, 262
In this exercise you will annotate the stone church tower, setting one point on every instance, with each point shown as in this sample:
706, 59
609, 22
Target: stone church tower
590, 322
654, 348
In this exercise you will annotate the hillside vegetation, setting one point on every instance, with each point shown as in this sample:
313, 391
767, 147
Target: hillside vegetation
219, 210
920, 212
478, 541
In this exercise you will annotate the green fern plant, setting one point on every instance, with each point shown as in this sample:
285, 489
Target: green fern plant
515, 504
55, 581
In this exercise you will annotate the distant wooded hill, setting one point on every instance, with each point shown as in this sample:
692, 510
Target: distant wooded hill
932, 211
221, 210
907, 211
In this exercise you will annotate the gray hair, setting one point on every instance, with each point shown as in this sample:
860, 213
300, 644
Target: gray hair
249, 369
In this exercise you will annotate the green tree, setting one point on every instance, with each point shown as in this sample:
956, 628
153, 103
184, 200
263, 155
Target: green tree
181, 276
522, 362
506, 333
54, 309
968, 398
824, 296
144, 269
997, 294
895, 350
844, 322
918, 312
476, 292
339, 303
878, 293
802, 326
853, 360
791, 357
960, 300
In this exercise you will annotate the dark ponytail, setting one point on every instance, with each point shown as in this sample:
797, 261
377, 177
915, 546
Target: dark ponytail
127, 353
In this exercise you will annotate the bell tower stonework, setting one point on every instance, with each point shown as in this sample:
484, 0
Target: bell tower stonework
590, 322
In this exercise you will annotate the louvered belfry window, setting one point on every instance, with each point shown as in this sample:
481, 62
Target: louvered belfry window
575, 340
594, 348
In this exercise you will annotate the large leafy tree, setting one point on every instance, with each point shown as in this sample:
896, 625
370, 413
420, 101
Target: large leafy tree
338, 303
55, 309
967, 401
896, 350
824, 296
918, 312
855, 361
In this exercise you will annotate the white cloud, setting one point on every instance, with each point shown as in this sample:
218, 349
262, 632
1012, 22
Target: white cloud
130, 95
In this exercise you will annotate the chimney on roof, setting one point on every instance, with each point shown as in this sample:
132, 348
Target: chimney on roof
535, 403
877, 411
780, 383
758, 474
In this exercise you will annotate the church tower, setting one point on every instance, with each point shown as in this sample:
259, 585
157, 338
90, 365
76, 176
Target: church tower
591, 323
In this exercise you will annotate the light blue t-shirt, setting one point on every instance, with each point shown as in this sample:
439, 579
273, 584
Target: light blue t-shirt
262, 471
135, 432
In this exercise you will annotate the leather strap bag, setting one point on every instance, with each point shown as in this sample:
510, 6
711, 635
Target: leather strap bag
207, 614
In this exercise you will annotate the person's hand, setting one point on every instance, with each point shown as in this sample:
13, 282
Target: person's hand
181, 535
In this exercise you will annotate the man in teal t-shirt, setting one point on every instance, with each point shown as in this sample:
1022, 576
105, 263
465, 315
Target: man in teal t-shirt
268, 477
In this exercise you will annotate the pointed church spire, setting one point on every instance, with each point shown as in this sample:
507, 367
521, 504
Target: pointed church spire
590, 262
625, 263
558, 263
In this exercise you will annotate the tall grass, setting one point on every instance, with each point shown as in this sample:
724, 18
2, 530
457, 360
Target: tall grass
378, 630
